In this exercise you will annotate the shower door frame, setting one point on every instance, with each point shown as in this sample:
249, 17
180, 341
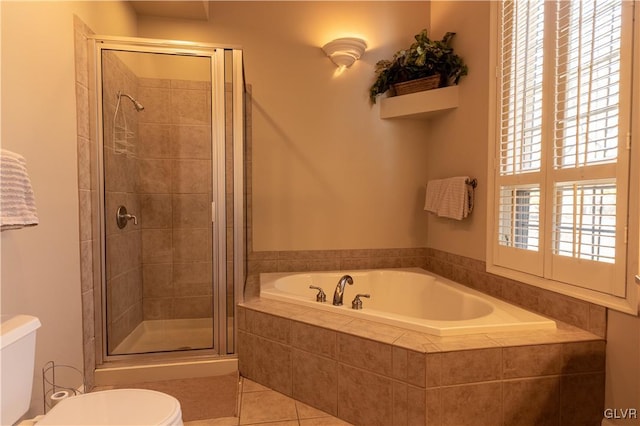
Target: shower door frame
216, 54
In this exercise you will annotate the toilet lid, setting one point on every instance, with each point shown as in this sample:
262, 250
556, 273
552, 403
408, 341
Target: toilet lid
116, 407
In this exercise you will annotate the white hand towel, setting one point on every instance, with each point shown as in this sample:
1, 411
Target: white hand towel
433, 195
17, 202
454, 198
449, 198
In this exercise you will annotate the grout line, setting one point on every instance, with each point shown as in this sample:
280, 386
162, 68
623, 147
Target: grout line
295, 404
240, 395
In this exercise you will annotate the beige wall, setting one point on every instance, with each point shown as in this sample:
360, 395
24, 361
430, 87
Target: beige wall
40, 265
327, 172
458, 145
622, 388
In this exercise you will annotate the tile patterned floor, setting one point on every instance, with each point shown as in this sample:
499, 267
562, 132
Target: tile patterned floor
260, 405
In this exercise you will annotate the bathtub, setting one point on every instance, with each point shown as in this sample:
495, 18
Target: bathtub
411, 298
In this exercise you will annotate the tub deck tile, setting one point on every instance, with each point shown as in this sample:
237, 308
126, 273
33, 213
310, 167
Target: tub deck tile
275, 307
531, 361
420, 378
373, 330
313, 339
268, 326
415, 341
471, 404
314, 381
461, 367
464, 342
392, 375
563, 333
373, 404
531, 401
329, 320
358, 352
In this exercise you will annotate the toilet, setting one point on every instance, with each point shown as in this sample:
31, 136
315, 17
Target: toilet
110, 407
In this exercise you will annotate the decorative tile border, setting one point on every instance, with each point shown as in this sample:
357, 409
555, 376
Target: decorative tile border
325, 260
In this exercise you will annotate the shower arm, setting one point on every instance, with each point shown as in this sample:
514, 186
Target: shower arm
137, 105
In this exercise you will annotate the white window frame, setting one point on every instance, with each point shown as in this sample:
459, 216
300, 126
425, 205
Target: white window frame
627, 298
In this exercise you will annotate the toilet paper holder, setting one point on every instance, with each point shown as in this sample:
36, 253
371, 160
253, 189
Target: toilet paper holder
60, 382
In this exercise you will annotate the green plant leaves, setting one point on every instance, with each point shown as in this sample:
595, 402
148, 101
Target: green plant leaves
424, 58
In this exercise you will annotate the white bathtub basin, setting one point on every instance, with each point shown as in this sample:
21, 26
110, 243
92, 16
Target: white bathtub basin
409, 297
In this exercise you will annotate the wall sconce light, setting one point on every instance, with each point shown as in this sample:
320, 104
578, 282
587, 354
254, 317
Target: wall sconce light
345, 51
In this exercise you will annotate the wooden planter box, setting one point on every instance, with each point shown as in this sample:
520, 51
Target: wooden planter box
419, 85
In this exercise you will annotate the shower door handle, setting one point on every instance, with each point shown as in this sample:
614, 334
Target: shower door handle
122, 217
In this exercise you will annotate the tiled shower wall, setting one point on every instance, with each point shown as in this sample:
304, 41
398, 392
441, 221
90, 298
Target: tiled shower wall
175, 206
121, 181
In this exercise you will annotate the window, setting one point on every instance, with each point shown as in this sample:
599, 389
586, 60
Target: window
562, 143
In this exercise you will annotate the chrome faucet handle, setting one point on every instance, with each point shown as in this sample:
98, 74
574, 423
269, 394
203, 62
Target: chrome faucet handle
357, 303
321, 296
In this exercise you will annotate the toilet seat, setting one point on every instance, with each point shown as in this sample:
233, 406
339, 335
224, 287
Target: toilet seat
116, 407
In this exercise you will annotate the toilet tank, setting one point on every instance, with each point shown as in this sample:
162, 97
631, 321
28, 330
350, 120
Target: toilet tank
17, 356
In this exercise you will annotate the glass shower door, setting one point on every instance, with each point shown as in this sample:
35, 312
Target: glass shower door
159, 186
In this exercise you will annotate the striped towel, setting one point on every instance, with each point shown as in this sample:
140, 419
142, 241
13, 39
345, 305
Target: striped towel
17, 203
451, 198
434, 195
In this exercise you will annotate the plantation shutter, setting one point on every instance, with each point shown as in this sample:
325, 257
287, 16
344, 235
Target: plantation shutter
520, 174
564, 99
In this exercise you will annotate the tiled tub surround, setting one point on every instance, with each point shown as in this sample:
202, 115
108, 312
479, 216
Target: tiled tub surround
463, 270
369, 373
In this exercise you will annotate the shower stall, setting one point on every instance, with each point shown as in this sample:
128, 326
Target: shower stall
171, 132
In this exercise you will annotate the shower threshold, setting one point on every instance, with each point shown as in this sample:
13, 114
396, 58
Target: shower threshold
168, 335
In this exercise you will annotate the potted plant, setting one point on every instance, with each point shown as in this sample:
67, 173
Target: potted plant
427, 63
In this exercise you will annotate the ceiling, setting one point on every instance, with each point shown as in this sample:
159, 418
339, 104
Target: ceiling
198, 10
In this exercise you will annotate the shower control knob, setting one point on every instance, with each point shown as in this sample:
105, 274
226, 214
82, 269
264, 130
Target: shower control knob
122, 217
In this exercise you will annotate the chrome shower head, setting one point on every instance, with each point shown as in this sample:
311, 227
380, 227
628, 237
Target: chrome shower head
137, 105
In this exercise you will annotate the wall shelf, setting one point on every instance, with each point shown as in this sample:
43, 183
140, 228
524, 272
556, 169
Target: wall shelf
420, 105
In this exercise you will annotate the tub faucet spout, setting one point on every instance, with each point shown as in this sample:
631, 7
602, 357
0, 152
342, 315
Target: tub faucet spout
339, 293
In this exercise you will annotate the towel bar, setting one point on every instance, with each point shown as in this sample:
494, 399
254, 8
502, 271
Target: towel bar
473, 182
